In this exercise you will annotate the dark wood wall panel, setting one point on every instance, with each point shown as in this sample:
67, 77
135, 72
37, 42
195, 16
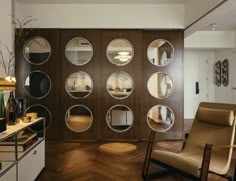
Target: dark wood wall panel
175, 70
134, 69
93, 69
51, 68
99, 68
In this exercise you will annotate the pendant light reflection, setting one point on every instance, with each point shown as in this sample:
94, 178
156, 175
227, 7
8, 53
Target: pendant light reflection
123, 56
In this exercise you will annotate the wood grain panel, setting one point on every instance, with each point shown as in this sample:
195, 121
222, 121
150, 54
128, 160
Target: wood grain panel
99, 68
175, 70
93, 69
51, 68
134, 69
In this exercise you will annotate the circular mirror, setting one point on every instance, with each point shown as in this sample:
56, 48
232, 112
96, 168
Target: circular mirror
120, 118
160, 85
42, 112
79, 118
120, 51
37, 50
37, 84
79, 85
79, 51
160, 118
120, 85
160, 52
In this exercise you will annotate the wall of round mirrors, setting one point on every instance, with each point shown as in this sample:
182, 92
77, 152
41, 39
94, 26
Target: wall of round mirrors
160, 118
160, 85
79, 51
119, 118
79, 84
160, 52
78, 118
37, 50
37, 84
120, 85
42, 112
120, 52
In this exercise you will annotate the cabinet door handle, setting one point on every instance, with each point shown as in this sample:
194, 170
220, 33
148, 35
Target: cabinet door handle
35, 152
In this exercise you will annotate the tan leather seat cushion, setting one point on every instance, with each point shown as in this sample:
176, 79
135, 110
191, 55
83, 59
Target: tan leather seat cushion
215, 116
179, 160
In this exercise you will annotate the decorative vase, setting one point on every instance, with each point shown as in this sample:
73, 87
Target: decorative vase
11, 110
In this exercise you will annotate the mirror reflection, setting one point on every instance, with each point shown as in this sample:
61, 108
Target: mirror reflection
120, 51
78, 118
119, 118
160, 52
37, 84
79, 85
160, 118
37, 50
42, 112
79, 51
160, 85
120, 85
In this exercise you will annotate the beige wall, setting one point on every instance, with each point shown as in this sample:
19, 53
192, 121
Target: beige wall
142, 16
6, 29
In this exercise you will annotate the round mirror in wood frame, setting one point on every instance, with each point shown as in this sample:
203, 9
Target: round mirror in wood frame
160, 118
79, 85
79, 51
120, 85
79, 118
37, 50
120, 51
120, 118
160, 52
37, 84
160, 85
42, 111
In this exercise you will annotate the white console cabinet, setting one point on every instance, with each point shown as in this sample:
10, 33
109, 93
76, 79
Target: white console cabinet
22, 165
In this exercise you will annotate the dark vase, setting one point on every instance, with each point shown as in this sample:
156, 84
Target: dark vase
11, 110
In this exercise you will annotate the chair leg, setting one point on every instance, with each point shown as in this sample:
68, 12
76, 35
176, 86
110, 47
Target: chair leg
206, 162
148, 155
234, 170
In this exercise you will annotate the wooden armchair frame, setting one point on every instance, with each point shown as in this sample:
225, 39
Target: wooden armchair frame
204, 170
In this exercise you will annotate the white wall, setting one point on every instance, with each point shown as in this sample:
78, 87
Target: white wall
143, 16
198, 67
210, 39
226, 94
6, 29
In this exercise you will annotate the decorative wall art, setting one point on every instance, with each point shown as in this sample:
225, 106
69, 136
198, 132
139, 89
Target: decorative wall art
225, 72
221, 70
217, 70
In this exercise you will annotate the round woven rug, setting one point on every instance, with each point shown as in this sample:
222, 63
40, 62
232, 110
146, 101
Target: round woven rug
117, 148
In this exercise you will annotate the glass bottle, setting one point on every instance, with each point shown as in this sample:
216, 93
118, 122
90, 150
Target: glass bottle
11, 110
2, 106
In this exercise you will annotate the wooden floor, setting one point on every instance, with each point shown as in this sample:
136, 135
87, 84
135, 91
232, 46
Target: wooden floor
84, 161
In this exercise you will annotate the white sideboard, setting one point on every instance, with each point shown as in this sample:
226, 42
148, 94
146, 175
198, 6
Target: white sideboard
18, 165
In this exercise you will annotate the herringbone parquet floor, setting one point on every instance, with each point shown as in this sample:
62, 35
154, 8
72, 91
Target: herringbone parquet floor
71, 161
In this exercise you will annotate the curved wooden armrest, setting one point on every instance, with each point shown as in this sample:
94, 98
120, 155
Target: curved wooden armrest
225, 146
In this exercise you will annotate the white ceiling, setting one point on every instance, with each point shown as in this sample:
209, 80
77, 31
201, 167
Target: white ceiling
102, 1
224, 18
